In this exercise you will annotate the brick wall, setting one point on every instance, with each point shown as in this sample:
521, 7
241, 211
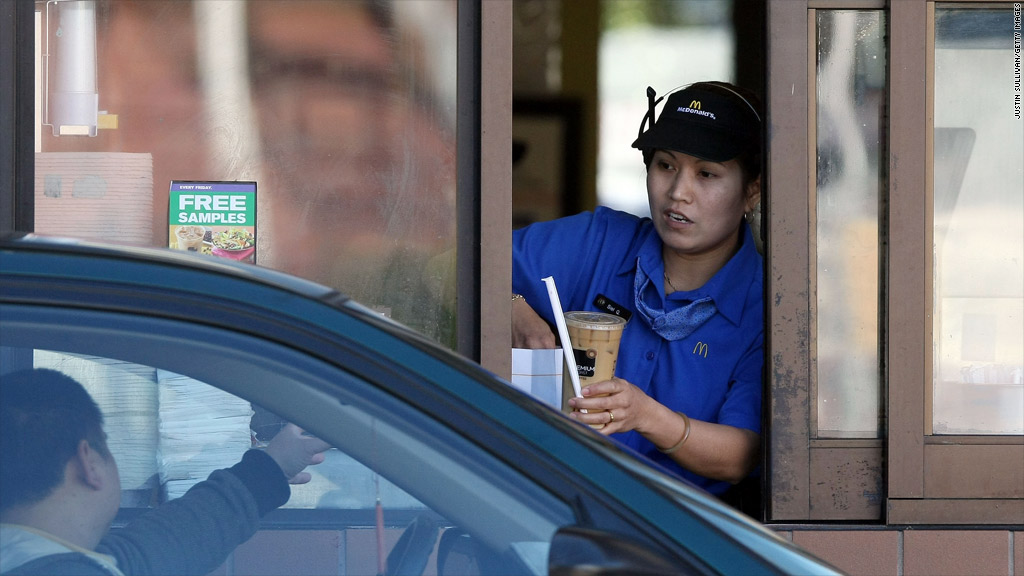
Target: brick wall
914, 551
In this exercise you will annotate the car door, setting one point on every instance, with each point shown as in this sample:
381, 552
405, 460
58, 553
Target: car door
399, 493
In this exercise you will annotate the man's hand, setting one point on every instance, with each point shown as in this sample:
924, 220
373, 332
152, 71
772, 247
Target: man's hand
529, 330
293, 451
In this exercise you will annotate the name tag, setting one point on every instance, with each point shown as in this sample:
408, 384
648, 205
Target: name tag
606, 304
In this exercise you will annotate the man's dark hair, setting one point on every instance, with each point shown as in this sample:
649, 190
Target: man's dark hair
44, 414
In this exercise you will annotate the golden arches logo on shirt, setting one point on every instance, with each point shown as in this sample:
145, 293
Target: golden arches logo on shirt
695, 104
701, 349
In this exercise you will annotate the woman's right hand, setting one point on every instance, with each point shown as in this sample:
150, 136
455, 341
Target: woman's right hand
529, 330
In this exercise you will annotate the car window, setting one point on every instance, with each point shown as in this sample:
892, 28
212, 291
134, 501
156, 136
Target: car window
181, 400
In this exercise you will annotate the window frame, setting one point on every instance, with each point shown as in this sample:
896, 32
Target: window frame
936, 481
17, 146
927, 479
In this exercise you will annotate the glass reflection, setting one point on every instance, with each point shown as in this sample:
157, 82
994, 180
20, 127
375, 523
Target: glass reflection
978, 192
342, 112
851, 63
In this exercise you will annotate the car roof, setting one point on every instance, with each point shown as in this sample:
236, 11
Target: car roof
23, 241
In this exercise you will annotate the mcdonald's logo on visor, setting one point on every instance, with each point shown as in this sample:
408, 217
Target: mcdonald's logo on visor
695, 104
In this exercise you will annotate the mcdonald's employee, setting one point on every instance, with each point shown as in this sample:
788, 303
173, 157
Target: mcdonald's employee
687, 385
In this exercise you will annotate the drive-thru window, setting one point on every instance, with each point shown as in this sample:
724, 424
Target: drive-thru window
378, 135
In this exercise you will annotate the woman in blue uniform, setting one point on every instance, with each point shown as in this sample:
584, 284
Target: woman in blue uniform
687, 386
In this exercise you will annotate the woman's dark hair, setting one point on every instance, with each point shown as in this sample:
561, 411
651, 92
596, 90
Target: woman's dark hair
44, 414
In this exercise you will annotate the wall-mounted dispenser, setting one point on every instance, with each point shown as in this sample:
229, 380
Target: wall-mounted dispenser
71, 97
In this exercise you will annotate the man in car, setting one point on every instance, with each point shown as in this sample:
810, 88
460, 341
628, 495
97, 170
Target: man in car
60, 490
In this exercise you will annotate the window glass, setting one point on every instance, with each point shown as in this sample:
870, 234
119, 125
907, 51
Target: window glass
850, 105
978, 198
343, 113
174, 412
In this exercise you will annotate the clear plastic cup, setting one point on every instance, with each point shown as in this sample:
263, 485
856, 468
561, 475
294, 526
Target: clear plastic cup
595, 338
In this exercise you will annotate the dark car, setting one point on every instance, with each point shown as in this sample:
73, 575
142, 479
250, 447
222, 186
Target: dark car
446, 467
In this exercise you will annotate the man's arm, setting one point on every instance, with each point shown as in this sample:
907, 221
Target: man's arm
195, 533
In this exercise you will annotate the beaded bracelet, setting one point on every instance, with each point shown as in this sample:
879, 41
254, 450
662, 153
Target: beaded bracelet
686, 435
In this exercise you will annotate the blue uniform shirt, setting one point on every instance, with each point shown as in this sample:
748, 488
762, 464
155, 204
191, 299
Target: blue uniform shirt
714, 374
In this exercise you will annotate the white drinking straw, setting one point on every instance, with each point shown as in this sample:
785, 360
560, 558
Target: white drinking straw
563, 335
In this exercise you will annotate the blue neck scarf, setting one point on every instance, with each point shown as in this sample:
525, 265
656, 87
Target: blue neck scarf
674, 325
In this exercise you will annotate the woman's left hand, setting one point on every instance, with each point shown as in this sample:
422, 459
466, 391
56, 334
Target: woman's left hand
616, 404
713, 450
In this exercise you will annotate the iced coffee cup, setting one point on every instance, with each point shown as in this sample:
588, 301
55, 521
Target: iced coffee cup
595, 338
190, 237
